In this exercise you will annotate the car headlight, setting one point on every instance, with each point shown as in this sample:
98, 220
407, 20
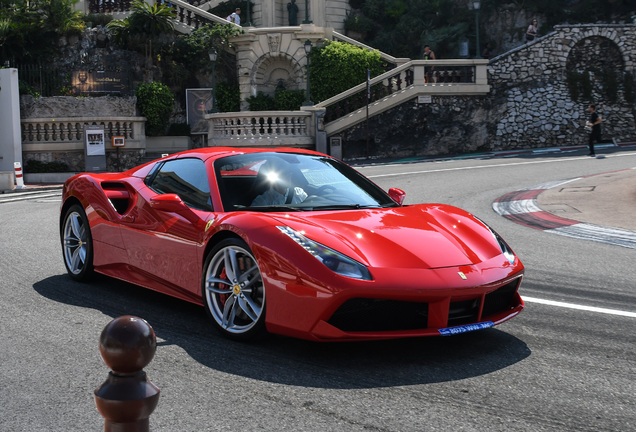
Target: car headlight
333, 260
505, 249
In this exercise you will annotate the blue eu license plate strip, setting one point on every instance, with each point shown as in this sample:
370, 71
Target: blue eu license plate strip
465, 328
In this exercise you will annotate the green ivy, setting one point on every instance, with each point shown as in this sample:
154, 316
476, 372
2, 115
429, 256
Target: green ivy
156, 102
228, 97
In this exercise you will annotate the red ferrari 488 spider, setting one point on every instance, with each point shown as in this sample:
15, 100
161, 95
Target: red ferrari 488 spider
289, 241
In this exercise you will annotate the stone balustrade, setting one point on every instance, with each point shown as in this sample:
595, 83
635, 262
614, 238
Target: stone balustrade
408, 81
262, 128
189, 16
67, 134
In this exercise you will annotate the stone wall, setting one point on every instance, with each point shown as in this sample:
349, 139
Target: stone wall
62, 145
530, 86
529, 105
63, 106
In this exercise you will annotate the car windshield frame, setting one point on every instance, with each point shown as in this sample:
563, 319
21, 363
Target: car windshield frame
283, 182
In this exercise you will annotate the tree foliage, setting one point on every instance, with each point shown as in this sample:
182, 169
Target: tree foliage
156, 102
192, 49
29, 30
402, 27
145, 24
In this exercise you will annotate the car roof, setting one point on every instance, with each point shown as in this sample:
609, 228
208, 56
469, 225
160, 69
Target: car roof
217, 152
206, 153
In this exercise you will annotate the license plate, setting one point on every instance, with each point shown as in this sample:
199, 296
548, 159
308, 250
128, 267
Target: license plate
465, 328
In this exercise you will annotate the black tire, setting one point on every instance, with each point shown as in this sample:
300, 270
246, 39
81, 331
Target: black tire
77, 244
233, 290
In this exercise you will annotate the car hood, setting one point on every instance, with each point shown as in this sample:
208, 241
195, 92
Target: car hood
418, 236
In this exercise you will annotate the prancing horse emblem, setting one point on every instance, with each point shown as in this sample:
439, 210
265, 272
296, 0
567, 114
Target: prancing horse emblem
462, 275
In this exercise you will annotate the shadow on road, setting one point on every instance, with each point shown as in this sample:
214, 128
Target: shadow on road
288, 361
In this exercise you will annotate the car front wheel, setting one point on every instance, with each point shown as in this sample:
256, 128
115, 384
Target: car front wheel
77, 244
233, 290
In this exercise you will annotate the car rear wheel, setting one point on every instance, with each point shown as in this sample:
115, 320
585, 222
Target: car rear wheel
77, 244
233, 290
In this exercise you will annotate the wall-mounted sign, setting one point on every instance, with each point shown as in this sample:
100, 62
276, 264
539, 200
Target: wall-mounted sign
88, 81
198, 103
424, 99
118, 141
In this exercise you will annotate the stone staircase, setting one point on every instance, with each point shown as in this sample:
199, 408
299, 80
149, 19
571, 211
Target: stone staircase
405, 82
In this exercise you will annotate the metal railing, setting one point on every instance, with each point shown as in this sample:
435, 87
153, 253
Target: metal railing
47, 81
108, 6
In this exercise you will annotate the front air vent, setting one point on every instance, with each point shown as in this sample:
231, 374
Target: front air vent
501, 300
118, 195
362, 314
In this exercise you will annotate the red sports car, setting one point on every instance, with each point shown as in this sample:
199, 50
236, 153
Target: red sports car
289, 241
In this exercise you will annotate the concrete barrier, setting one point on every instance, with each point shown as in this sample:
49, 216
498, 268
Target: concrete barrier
47, 178
6, 180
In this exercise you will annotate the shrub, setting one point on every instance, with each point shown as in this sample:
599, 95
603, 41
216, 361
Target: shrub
261, 102
155, 102
337, 66
289, 100
98, 19
228, 97
35, 166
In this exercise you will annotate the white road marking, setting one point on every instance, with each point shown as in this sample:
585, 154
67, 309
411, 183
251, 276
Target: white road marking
363, 168
23, 196
516, 207
579, 307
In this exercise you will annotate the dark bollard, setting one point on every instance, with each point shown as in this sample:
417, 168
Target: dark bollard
127, 398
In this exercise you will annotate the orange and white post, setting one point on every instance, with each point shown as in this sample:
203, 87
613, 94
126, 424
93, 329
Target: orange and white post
19, 181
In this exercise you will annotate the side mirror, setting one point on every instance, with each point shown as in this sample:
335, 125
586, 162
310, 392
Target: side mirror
397, 195
172, 203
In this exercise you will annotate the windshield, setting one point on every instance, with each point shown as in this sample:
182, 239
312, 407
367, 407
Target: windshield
294, 182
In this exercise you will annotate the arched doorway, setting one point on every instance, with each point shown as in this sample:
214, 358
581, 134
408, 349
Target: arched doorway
277, 71
595, 70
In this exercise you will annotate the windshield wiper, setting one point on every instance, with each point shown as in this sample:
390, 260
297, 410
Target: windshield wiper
275, 208
346, 207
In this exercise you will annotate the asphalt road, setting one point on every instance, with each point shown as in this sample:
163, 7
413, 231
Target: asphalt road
558, 366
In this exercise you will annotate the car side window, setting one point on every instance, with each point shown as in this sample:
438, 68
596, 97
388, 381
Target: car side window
186, 178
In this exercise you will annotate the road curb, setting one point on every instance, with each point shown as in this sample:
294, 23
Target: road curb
521, 207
